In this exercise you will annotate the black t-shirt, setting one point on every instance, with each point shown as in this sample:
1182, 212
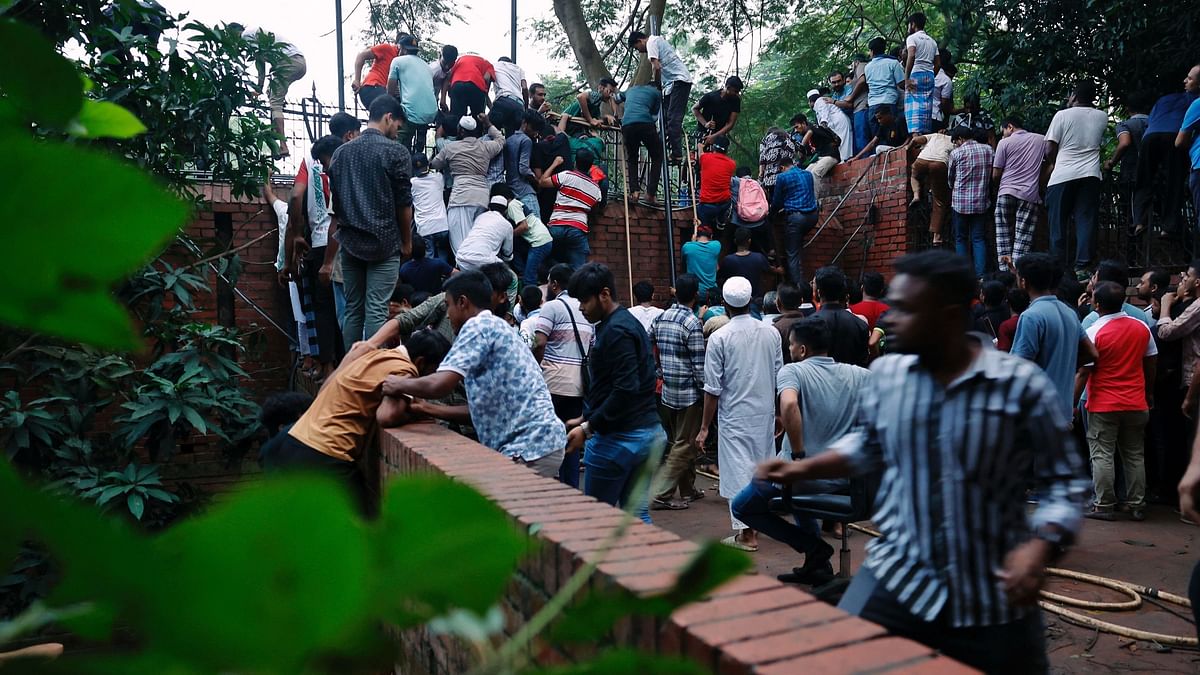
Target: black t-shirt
848, 334
826, 142
545, 150
752, 267
426, 274
716, 108
891, 134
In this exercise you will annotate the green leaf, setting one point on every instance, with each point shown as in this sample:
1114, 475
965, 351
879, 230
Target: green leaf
411, 540
60, 284
627, 661
103, 119
292, 557
136, 505
38, 81
109, 493
196, 420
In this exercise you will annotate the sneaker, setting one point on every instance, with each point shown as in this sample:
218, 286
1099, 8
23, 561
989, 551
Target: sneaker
816, 575
1100, 513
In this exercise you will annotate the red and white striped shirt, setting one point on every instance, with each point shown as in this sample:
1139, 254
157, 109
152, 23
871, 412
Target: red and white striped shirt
577, 194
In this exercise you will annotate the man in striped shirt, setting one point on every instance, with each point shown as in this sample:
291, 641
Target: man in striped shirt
959, 430
577, 195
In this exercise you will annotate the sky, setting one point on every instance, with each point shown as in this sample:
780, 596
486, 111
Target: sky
484, 31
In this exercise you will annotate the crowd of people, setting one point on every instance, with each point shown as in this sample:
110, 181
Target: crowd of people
458, 287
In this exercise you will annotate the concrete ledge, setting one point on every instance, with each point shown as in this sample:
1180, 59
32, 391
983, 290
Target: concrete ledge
753, 624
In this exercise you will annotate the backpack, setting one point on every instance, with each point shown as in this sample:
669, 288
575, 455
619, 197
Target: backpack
752, 203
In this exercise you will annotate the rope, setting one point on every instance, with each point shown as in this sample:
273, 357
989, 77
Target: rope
1133, 590
628, 248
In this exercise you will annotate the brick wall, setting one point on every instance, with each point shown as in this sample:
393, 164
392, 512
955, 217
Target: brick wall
863, 246
753, 624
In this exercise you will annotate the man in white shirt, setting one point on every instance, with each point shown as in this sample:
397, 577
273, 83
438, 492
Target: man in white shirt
921, 62
490, 239
643, 311
943, 91
429, 210
1073, 150
510, 96
283, 75
676, 84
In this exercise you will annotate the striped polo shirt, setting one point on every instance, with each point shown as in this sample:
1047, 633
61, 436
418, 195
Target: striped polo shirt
577, 194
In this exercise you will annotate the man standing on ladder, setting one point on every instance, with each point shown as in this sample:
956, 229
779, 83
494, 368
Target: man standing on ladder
676, 84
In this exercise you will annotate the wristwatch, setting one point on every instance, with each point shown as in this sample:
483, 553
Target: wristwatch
587, 430
1056, 537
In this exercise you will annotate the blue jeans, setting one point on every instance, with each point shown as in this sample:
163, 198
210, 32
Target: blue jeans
339, 302
970, 225
368, 285
613, 461
1079, 198
570, 245
752, 507
862, 130
797, 226
438, 246
537, 254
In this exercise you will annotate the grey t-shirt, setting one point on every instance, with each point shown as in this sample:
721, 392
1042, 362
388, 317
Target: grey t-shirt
828, 394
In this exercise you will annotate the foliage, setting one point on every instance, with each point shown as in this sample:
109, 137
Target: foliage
420, 18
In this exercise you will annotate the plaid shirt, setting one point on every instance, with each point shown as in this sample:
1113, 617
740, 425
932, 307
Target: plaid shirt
679, 336
970, 176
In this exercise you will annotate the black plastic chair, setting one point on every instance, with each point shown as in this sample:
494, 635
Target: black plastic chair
856, 504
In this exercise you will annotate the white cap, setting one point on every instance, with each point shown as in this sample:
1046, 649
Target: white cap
467, 123
498, 200
813, 92
737, 291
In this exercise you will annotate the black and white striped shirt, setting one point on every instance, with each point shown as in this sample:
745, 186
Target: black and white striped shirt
957, 461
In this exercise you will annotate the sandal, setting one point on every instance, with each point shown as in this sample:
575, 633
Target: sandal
732, 542
660, 504
694, 497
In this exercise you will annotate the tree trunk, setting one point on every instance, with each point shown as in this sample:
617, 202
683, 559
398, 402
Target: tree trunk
591, 62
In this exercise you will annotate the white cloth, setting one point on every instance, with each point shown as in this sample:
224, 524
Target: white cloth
429, 209
280, 208
1079, 131
740, 365
298, 317
317, 204
937, 148
461, 219
832, 116
927, 51
490, 240
508, 80
943, 88
288, 48
645, 315
673, 69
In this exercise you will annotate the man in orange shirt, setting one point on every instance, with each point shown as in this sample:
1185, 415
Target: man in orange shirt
328, 438
375, 85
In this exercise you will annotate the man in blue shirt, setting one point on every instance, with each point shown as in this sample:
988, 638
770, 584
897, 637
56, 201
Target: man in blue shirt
795, 196
1049, 333
1187, 138
884, 76
1162, 167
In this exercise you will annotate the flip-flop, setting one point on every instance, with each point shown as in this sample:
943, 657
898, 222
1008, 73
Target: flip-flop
694, 497
657, 504
732, 542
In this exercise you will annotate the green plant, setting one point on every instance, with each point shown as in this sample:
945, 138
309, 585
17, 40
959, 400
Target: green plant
137, 485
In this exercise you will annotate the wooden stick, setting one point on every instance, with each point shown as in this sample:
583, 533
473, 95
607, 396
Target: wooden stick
692, 191
628, 247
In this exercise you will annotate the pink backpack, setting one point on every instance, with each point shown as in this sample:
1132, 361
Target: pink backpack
752, 201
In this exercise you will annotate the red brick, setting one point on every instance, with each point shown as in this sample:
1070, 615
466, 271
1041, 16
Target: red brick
729, 606
740, 658
935, 666
873, 656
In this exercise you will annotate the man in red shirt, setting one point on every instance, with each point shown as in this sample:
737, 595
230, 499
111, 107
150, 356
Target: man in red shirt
467, 85
1120, 386
375, 84
716, 184
578, 194
871, 307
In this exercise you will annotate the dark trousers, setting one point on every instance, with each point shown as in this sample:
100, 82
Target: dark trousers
329, 336
1079, 198
292, 455
796, 227
1194, 186
1161, 172
368, 94
464, 96
637, 135
1015, 647
1194, 595
568, 408
507, 114
674, 108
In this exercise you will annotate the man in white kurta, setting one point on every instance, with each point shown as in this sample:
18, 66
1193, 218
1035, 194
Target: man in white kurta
740, 365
